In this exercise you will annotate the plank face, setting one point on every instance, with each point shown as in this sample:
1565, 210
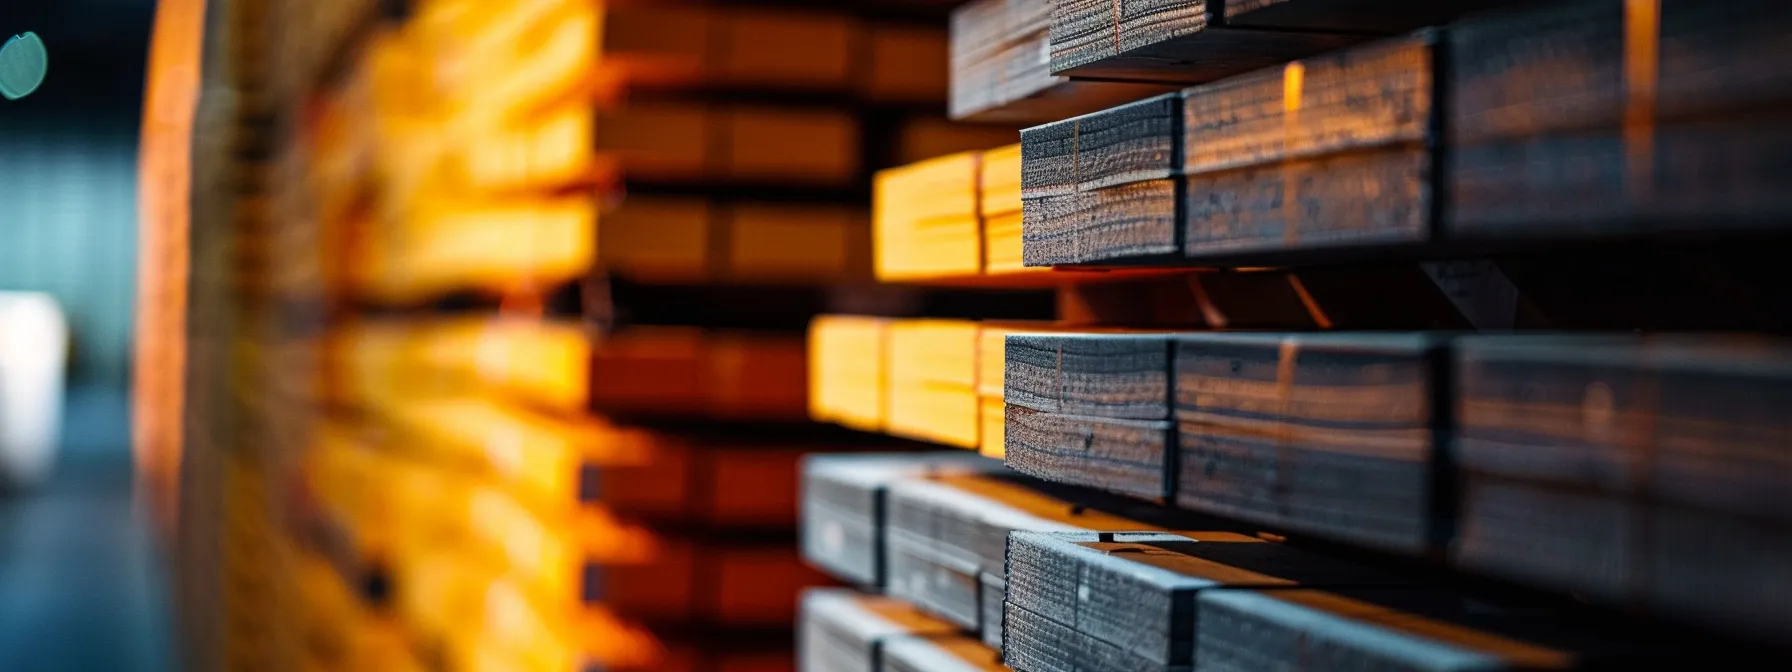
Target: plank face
1323, 152
1328, 434
1001, 68
940, 654
1123, 456
1406, 629
1103, 375
1126, 601
1100, 187
1596, 148
843, 506
1600, 464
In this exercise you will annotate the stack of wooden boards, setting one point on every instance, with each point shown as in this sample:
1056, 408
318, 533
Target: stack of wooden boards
983, 571
1001, 67
1320, 137
1427, 141
938, 381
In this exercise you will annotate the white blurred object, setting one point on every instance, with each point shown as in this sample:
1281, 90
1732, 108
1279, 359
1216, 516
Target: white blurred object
33, 358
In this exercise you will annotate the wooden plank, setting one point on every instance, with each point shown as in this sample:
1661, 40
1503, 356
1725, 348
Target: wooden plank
945, 534
1169, 41
844, 631
687, 373
843, 506
931, 375
847, 378
1323, 153
1415, 629
1647, 105
1290, 431
1094, 187
1001, 68
1121, 376
1123, 456
1127, 601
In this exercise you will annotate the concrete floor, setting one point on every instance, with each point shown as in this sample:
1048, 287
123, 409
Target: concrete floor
81, 584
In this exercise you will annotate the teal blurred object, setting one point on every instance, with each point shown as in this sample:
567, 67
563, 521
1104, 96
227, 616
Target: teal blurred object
23, 64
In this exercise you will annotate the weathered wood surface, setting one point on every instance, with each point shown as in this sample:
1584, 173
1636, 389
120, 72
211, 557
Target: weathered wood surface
1327, 434
947, 537
844, 506
1100, 187
1121, 456
842, 630
1001, 68
1602, 119
1411, 629
1608, 465
1169, 41
1127, 601
1121, 376
1326, 152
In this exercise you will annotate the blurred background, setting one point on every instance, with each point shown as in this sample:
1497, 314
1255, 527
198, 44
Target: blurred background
85, 585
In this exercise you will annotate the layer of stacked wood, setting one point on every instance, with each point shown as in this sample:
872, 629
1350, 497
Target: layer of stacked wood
1261, 429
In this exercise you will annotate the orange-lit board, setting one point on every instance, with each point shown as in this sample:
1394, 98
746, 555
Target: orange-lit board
682, 142
847, 371
532, 361
690, 373
1000, 208
924, 219
933, 381
695, 240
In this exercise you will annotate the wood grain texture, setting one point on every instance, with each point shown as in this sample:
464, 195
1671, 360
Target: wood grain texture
1406, 629
1328, 434
1133, 595
843, 506
1130, 223
1001, 68
1325, 152
1122, 376
1121, 456
1169, 41
1120, 145
1107, 170
945, 536
1686, 420
1559, 129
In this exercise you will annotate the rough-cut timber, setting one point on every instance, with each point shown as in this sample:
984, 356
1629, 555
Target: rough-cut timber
1607, 119
947, 539
1122, 456
843, 507
1101, 187
1102, 375
1169, 41
1325, 434
1608, 465
1414, 630
1001, 68
844, 631
1326, 153
1102, 602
